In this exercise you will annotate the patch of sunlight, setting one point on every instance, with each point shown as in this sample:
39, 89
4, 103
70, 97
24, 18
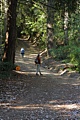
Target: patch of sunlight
76, 84
67, 106
53, 101
20, 61
26, 107
22, 72
49, 25
4, 104
32, 73
49, 106
32, 55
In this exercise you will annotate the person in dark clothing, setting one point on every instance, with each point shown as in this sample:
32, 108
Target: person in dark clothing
38, 64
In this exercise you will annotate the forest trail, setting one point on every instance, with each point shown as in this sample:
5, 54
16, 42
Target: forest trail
27, 63
30, 97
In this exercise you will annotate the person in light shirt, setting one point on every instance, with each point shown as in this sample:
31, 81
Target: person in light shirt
22, 52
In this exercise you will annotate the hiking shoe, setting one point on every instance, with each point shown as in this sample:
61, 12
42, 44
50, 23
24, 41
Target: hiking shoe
37, 74
41, 74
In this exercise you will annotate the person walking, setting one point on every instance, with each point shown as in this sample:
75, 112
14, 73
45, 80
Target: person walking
38, 64
22, 52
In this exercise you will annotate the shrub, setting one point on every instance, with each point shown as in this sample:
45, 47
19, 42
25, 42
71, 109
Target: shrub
75, 56
6, 66
60, 53
6, 69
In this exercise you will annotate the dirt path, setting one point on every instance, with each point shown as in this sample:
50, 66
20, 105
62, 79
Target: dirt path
31, 97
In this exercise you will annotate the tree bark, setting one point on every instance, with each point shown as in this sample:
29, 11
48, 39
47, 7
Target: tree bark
9, 50
50, 29
66, 26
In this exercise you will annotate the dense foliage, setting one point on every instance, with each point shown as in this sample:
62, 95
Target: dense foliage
51, 24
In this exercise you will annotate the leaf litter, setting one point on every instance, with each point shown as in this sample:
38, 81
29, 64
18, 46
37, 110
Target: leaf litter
25, 96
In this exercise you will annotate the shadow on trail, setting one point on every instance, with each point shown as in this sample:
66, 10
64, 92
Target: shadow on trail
39, 97
26, 96
48, 96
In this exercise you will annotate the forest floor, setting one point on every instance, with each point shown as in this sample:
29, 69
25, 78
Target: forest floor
53, 96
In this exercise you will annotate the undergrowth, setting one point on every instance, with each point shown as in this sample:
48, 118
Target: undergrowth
6, 69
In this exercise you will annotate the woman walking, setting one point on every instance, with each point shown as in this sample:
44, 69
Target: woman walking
38, 64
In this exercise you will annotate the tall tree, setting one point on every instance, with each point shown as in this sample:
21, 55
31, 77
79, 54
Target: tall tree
0, 27
9, 50
50, 23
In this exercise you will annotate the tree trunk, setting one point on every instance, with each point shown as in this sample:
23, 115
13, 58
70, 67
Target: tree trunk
9, 50
66, 26
50, 30
1, 35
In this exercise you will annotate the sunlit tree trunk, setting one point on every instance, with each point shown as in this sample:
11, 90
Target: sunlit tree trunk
9, 50
66, 26
78, 4
0, 23
5, 18
50, 28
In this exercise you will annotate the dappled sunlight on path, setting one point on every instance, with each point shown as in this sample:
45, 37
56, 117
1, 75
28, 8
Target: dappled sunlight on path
30, 97
27, 64
62, 92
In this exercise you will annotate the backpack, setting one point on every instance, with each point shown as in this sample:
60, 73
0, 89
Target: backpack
36, 61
